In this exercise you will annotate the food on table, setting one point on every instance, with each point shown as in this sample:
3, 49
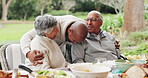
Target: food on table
86, 70
5, 74
52, 74
137, 71
89, 70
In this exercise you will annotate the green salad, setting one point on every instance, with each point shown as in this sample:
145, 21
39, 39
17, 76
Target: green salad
53, 74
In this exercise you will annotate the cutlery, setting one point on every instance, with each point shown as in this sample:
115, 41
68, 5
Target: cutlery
33, 74
125, 58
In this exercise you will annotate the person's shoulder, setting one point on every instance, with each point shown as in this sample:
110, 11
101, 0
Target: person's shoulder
107, 33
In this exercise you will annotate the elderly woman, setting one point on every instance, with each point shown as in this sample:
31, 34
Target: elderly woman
46, 27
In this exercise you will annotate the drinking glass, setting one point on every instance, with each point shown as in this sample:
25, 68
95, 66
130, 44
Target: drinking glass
100, 60
146, 56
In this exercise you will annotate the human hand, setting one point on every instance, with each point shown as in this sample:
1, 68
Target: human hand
34, 56
117, 45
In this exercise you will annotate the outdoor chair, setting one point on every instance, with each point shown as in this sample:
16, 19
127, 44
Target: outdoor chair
11, 56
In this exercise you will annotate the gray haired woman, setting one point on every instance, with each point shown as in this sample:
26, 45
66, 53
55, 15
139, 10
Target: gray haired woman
46, 27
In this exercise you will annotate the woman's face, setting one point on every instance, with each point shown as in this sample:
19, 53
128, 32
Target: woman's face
53, 33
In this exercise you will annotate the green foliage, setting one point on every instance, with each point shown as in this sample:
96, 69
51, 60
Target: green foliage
22, 9
80, 14
57, 4
127, 42
112, 23
93, 5
135, 43
84, 4
0, 9
141, 49
58, 12
138, 37
146, 16
105, 9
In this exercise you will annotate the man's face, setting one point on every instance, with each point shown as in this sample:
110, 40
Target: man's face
94, 23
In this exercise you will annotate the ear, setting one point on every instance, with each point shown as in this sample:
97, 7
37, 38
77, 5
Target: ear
70, 31
46, 34
101, 22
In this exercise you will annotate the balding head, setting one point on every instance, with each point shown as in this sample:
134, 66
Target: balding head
77, 32
98, 14
94, 22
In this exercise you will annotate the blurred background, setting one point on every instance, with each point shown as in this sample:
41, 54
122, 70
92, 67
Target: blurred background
127, 20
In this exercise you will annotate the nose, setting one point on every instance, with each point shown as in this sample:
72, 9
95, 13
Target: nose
88, 22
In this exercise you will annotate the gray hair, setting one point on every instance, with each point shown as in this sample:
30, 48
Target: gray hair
97, 12
44, 24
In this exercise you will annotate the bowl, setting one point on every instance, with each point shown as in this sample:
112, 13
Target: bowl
89, 70
122, 65
138, 61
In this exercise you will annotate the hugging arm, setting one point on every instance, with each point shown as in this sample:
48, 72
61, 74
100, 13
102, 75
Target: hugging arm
25, 41
25, 47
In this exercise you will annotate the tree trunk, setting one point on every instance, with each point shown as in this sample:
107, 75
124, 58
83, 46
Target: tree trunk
42, 11
133, 16
25, 16
4, 10
5, 7
4, 14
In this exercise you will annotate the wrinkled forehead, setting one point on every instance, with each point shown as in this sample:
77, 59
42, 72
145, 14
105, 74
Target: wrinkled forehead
93, 15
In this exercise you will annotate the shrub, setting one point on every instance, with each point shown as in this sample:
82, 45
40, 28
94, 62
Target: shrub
136, 43
146, 16
58, 12
113, 23
127, 43
141, 49
138, 37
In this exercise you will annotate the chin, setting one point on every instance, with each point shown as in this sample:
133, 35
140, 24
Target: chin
90, 31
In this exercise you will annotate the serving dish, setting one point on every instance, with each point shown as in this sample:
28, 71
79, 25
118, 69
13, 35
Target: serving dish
89, 70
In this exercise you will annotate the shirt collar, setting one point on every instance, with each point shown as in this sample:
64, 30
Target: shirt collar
92, 36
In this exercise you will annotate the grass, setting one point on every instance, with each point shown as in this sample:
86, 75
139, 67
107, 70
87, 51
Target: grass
13, 32
135, 43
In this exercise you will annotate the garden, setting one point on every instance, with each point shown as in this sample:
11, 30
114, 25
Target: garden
134, 44
21, 18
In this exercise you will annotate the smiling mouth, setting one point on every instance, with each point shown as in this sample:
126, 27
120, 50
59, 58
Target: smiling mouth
90, 27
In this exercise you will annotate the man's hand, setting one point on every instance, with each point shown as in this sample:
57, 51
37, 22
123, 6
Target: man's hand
34, 56
117, 45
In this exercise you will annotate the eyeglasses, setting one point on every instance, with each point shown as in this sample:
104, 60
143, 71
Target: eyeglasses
92, 19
